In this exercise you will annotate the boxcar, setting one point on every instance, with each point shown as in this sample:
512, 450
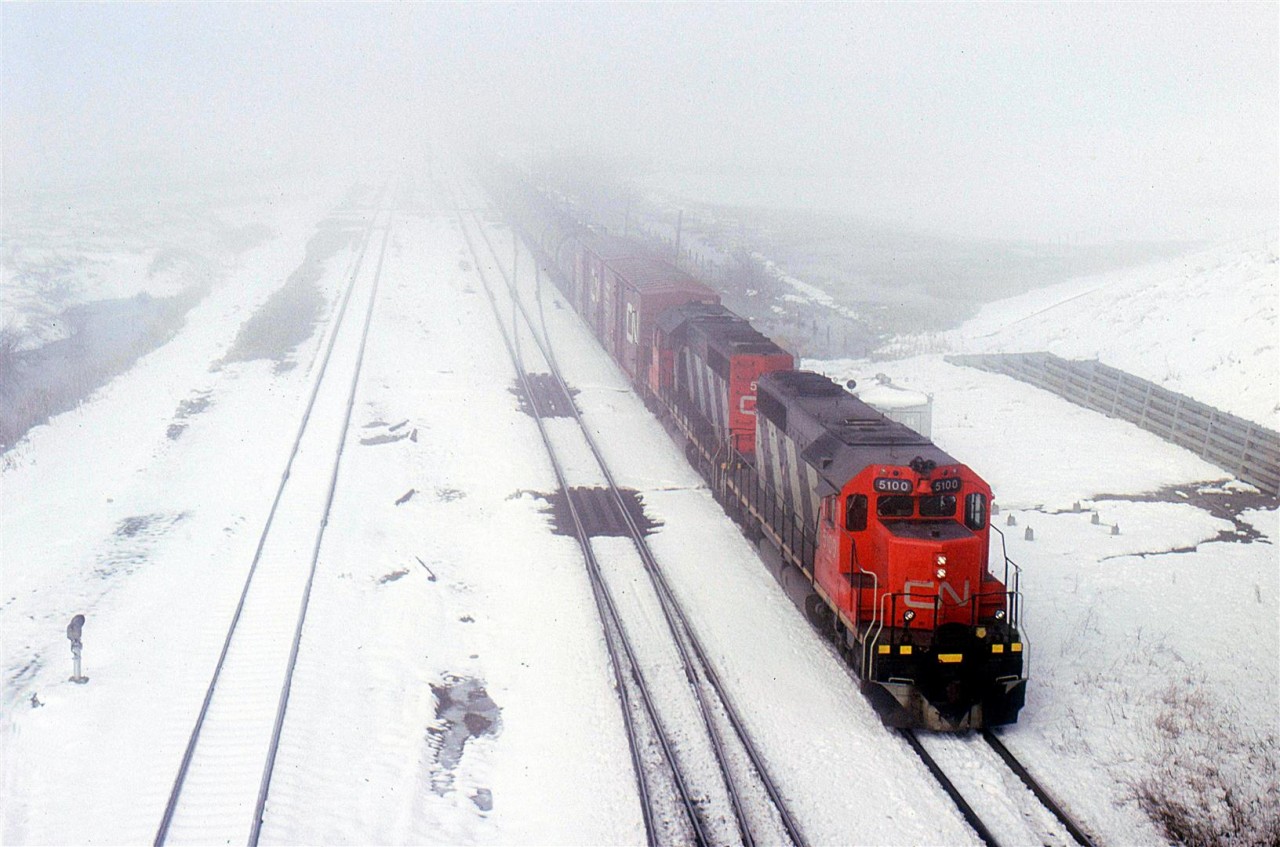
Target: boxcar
595, 253
641, 288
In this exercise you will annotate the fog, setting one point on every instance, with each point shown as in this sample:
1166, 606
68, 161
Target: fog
1088, 122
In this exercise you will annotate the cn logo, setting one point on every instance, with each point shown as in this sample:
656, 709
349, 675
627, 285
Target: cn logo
922, 588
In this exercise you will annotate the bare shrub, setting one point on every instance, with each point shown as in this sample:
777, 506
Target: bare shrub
11, 401
284, 321
1210, 781
10, 340
290, 315
907, 346
107, 337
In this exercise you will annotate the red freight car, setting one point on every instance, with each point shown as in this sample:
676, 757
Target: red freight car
641, 288
590, 277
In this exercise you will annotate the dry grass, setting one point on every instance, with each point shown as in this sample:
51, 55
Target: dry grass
36, 385
290, 315
1209, 780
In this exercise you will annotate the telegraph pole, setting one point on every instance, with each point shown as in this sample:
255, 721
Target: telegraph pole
679, 226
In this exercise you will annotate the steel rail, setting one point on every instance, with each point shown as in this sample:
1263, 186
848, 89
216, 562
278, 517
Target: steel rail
1034, 785
671, 610
605, 605
637, 538
664, 590
970, 816
184, 766
282, 707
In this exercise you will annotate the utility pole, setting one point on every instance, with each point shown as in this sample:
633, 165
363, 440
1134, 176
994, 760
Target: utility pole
679, 226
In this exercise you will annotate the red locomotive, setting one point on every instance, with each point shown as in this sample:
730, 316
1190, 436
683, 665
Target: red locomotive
708, 360
881, 537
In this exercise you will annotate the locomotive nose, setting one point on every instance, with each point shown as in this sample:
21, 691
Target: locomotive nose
948, 677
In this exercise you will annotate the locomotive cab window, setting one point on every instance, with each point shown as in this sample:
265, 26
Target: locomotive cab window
975, 511
895, 506
855, 513
938, 506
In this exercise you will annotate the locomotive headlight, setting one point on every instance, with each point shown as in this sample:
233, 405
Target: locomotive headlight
999, 614
941, 573
940, 559
908, 616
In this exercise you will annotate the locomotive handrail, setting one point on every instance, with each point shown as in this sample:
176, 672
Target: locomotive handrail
875, 592
1015, 595
717, 472
872, 641
973, 602
1004, 552
1015, 602
896, 633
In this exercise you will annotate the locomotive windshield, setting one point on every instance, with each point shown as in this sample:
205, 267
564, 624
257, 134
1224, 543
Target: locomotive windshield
895, 506
938, 506
904, 506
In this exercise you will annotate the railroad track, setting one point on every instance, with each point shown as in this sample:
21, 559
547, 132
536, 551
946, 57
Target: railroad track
220, 792
699, 777
1043, 820
1021, 812
1034, 786
964, 767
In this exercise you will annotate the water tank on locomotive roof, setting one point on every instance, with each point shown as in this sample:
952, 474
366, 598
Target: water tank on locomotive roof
912, 408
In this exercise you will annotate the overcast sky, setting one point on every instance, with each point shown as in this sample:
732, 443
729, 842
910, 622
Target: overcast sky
1099, 121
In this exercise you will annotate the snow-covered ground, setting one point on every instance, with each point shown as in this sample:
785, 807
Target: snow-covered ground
106, 514
121, 241
1160, 643
1204, 325
442, 594
805, 293
1119, 626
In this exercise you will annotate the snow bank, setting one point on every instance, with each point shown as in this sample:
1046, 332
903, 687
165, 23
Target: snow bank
1204, 325
1119, 626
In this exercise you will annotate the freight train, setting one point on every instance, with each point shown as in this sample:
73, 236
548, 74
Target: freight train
880, 537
